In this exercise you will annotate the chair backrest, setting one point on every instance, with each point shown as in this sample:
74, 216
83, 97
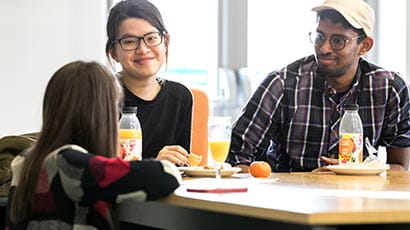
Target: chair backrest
199, 138
244, 86
228, 86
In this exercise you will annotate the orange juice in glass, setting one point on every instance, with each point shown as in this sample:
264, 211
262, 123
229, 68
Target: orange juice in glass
219, 138
130, 144
219, 149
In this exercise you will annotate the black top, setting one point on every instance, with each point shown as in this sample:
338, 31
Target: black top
166, 120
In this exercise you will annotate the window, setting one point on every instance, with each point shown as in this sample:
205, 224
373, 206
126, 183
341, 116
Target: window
291, 20
278, 32
390, 43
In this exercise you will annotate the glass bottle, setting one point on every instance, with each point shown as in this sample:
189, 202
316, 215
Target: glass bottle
130, 135
351, 136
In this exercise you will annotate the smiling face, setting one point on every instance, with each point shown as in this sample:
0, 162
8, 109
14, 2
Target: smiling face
144, 62
337, 63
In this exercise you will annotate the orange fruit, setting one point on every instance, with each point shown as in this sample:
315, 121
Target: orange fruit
194, 159
260, 169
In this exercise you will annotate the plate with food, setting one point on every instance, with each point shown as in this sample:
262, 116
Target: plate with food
359, 169
209, 171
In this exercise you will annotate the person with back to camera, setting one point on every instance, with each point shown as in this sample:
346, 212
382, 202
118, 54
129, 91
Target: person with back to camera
292, 120
138, 41
71, 177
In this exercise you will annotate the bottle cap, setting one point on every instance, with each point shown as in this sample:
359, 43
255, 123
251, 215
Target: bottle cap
130, 109
352, 107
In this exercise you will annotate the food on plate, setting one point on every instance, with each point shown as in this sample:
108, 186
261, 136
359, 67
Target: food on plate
260, 169
374, 164
224, 166
368, 163
134, 158
194, 159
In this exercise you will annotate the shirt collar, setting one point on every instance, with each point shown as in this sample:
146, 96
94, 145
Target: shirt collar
328, 89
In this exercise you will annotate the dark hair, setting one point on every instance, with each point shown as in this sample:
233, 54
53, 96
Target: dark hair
142, 9
336, 18
80, 107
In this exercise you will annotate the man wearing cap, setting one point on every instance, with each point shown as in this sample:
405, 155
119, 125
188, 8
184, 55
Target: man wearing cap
292, 120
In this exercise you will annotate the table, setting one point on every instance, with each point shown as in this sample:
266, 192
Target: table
284, 201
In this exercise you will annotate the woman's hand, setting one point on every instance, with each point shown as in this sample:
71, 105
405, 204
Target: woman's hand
175, 154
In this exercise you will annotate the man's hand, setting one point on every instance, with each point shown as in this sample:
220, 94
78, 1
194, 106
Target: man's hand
329, 161
244, 168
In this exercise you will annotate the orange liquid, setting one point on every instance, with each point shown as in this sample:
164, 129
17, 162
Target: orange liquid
219, 150
130, 134
130, 144
350, 149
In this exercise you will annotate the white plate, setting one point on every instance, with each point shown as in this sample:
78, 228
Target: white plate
201, 172
357, 170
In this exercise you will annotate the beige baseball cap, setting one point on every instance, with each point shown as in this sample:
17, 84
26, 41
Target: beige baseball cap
357, 12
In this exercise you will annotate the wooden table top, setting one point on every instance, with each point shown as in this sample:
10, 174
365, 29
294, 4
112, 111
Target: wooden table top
307, 198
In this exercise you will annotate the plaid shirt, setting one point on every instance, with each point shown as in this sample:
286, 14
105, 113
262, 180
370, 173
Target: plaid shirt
293, 117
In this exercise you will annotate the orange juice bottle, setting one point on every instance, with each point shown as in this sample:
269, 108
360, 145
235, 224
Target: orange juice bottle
130, 135
351, 136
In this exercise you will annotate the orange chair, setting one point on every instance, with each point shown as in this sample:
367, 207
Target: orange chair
199, 136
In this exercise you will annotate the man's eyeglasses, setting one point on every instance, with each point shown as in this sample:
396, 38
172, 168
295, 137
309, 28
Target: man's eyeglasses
150, 39
337, 42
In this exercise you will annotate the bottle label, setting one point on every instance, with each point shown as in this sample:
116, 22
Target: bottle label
351, 148
130, 144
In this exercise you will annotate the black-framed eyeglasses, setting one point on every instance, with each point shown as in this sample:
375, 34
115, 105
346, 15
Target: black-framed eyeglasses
337, 42
150, 39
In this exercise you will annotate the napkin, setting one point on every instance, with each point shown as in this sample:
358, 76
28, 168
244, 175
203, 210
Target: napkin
217, 190
208, 185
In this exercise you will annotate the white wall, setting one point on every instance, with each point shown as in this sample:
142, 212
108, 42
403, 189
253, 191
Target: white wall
38, 37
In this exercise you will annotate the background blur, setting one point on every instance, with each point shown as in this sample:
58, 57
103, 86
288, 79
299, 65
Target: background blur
225, 47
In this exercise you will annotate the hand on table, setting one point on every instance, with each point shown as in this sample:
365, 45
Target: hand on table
174, 153
329, 161
244, 168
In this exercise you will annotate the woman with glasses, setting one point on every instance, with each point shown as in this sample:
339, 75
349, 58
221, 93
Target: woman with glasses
292, 120
138, 41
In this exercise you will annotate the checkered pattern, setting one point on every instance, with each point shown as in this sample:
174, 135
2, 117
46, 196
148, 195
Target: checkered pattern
293, 117
76, 190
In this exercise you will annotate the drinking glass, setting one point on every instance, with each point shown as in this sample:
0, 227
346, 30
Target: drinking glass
219, 138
